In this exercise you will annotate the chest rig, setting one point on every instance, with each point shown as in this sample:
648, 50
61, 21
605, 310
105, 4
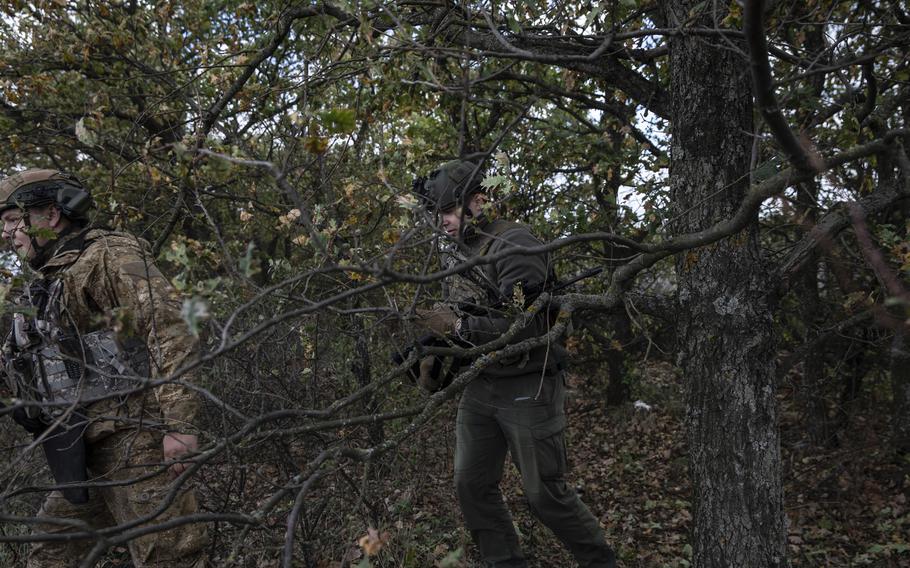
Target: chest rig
470, 288
49, 360
474, 288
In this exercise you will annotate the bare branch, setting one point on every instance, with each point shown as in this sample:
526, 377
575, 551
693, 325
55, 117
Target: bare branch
764, 91
833, 223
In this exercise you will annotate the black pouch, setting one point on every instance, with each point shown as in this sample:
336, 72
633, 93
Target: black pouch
64, 448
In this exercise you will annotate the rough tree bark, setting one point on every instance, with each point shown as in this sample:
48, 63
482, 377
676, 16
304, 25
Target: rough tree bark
725, 340
900, 387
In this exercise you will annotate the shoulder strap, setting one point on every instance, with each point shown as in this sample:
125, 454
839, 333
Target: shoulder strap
494, 230
64, 256
80, 242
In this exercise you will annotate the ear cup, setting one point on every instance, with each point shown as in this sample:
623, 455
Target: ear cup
74, 202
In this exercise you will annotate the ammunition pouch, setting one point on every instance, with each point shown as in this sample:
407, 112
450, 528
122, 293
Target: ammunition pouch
54, 362
67, 373
70, 371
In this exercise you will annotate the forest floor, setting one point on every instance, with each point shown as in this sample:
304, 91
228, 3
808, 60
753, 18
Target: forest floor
846, 506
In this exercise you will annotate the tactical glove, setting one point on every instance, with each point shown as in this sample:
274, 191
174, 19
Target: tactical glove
441, 320
430, 371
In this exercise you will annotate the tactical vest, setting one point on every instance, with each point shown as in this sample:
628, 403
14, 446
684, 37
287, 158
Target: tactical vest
474, 286
50, 360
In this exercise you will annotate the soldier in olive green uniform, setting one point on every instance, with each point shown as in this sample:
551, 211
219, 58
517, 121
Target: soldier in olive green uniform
93, 282
515, 405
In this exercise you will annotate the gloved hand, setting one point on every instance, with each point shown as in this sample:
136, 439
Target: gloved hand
430, 371
32, 424
440, 320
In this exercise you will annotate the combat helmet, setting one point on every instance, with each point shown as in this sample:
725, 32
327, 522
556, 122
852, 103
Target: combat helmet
449, 186
40, 187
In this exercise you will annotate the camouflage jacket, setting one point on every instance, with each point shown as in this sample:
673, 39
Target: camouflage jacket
111, 282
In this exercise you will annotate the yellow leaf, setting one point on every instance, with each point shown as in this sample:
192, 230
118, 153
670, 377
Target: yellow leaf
372, 542
316, 144
390, 236
288, 218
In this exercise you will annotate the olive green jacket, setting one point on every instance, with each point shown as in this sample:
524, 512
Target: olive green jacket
497, 282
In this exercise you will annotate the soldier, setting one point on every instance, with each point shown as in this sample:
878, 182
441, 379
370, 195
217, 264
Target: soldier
516, 404
103, 319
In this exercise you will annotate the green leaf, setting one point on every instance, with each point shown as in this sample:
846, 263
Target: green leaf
452, 559
338, 120
195, 310
493, 182
85, 135
514, 24
246, 262
766, 170
592, 15
42, 233
29, 311
178, 254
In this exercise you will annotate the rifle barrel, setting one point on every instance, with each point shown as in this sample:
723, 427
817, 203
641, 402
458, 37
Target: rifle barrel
577, 278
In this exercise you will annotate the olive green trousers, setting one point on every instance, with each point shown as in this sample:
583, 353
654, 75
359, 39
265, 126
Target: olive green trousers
533, 432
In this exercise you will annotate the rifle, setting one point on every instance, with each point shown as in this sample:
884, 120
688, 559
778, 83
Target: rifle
530, 293
63, 445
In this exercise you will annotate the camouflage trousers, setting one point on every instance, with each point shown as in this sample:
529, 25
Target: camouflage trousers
132, 457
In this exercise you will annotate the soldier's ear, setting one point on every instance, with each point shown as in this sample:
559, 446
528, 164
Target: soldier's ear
478, 200
55, 217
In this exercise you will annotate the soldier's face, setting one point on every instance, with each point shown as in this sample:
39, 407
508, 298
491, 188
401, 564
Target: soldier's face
452, 217
451, 221
15, 231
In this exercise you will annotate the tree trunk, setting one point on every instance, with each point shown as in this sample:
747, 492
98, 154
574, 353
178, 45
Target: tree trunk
900, 388
812, 392
362, 367
618, 391
726, 348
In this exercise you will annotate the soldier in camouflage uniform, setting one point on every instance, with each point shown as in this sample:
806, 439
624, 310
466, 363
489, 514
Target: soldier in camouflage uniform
96, 282
516, 404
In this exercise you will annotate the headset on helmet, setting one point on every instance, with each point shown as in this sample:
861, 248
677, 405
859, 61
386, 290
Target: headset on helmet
40, 187
449, 185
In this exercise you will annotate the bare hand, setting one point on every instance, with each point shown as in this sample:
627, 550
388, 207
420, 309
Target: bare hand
176, 445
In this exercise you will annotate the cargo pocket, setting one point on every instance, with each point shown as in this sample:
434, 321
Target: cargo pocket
550, 447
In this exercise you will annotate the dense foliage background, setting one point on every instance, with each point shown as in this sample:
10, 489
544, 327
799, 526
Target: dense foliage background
756, 254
